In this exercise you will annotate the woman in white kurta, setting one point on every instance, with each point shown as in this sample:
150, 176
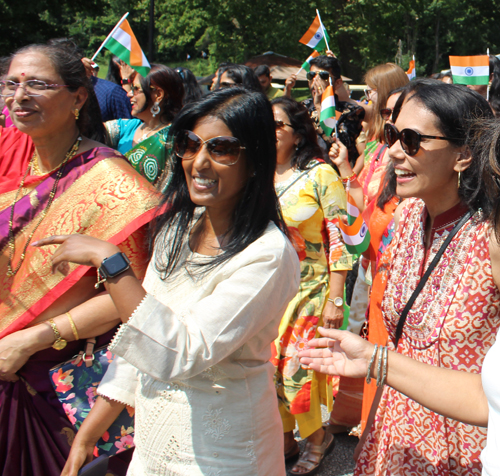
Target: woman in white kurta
195, 343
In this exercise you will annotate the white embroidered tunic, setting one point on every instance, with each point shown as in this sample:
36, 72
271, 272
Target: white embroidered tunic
195, 365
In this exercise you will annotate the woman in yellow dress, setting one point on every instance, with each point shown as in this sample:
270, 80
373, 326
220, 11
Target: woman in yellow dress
312, 199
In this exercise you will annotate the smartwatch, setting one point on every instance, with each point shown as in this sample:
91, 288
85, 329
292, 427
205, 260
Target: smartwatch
114, 265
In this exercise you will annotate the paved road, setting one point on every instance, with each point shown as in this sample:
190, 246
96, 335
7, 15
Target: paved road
339, 462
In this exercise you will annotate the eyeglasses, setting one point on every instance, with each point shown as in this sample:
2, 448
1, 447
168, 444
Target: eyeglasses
280, 124
224, 150
324, 75
32, 87
386, 113
409, 139
136, 90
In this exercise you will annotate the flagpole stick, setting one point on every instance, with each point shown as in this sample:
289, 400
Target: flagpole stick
323, 30
109, 36
297, 73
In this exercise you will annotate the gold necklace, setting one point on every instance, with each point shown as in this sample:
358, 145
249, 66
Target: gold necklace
12, 244
35, 168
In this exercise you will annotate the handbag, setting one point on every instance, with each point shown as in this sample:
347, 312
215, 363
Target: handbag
75, 383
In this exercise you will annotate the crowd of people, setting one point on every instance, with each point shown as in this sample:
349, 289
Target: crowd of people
197, 236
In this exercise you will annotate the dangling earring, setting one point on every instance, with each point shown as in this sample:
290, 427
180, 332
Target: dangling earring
77, 114
155, 109
459, 179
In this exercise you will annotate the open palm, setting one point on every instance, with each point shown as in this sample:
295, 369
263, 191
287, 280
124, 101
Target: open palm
338, 353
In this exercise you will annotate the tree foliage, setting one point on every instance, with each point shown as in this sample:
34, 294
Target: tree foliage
364, 32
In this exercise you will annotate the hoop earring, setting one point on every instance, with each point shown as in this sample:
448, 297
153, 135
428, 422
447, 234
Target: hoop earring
77, 114
459, 179
155, 109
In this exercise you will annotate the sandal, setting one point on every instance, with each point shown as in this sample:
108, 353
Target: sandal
293, 453
313, 456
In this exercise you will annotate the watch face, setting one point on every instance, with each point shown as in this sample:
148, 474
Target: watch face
59, 344
114, 265
338, 301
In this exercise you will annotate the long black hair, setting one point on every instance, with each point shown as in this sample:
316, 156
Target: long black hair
460, 113
242, 75
66, 59
308, 148
165, 78
192, 90
249, 117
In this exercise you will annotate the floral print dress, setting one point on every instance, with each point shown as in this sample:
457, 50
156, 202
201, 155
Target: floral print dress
312, 202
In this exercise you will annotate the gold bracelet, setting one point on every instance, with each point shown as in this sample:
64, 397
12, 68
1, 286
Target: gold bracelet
73, 327
350, 178
59, 343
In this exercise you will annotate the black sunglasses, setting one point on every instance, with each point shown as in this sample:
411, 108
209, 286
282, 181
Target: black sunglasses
280, 124
386, 113
223, 150
409, 139
324, 75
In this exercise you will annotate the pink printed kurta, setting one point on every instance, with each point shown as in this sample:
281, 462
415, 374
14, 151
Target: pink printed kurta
452, 324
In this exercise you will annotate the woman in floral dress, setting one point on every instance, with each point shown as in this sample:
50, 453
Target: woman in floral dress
312, 199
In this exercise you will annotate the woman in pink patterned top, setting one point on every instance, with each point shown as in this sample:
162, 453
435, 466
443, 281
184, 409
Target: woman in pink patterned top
455, 318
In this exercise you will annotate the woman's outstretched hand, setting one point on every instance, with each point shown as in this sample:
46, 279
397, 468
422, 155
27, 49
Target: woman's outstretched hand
338, 353
79, 249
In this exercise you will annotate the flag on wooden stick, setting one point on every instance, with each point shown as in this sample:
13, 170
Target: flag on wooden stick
355, 234
473, 70
412, 73
316, 36
327, 119
123, 43
307, 63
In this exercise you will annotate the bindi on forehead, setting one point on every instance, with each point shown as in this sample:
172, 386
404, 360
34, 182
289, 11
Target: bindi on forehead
22, 74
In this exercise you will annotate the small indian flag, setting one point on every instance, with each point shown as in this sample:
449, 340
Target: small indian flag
307, 63
355, 234
123, 43
411, 73
473, 70
327, 119
314, 37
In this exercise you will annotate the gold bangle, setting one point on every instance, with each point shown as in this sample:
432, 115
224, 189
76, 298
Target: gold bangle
73, 327
350, 178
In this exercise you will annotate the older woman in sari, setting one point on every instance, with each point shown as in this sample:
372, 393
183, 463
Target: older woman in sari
54, 179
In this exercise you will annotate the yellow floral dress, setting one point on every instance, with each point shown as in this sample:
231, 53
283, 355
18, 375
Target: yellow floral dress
312, 203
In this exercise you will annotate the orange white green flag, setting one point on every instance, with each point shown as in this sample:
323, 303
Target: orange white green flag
473, 70
412, 73
355, 233
123, 43
327, 119
316, 36
307, 63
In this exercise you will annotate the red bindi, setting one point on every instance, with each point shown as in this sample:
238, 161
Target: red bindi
22, 74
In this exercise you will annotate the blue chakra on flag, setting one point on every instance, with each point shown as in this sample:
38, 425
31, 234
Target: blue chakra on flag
469, 71
317, 36
363, 230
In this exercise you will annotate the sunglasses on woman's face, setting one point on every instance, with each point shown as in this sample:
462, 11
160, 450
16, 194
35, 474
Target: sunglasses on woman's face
223, 150
324, 75
280, 124
386, 113
410, 140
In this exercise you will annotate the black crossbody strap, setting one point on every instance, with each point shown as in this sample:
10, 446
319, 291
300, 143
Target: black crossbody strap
425, 277
298, 178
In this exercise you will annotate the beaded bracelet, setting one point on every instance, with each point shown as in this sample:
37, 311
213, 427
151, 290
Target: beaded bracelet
350, 178
368, 376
